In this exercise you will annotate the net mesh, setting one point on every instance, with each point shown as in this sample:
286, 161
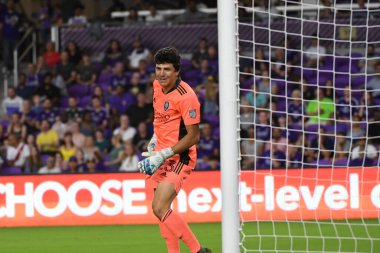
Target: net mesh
309, 113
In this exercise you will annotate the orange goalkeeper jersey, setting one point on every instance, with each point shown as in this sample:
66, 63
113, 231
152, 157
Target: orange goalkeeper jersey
172, 112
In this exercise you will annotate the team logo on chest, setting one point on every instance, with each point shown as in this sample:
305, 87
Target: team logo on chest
166, 105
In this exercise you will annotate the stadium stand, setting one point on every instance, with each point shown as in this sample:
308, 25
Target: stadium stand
90, 101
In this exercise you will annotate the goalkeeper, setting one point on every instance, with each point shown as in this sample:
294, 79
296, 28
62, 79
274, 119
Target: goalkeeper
171, 152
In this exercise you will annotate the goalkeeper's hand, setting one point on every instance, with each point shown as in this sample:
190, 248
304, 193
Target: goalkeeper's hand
152, 163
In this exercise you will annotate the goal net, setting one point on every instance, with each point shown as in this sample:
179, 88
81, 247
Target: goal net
309, 113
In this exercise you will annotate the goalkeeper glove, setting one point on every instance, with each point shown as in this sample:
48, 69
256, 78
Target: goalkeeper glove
150, 164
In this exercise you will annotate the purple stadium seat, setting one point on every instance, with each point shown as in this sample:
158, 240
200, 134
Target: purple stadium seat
324, 163
324, 76
281, 104
10, 171
358, 82
186, 64
105, 77
212, 119
329, 128
64, 102
341, 163
84, 101
78, 90
294, 132
342, 80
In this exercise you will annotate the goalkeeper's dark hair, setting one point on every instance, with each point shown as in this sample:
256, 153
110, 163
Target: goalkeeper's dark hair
168, 55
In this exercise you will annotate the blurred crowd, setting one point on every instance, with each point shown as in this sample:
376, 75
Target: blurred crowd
73, 111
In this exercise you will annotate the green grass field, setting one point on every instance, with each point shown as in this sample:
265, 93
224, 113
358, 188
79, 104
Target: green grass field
146, 238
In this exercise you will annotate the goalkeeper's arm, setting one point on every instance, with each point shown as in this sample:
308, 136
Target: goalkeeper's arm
152, 163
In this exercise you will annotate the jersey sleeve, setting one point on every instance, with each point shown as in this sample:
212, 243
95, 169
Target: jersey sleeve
190, 110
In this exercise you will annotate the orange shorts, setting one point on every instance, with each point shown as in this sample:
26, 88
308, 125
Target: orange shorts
172, 171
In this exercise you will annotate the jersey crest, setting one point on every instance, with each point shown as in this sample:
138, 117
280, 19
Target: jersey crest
166, 105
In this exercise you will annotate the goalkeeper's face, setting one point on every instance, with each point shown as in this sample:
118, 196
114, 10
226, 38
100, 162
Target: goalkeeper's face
166, 75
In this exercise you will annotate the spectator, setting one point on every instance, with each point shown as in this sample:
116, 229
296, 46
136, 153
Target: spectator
87, 126
90, 150
117, 5
315, 53
41, 67
29, 117
68, 148
101, 142
78, 137
11, 22
255, 98
356, 130
154, 17
73, 111
120, 101
37, 107
47, 139
247, 115
133, 17
72, 165
141, 138
99, 113
60, 125
86, 71
49, 90
22, 90
75, 54
45, 18
140, 112
34, 162
364, 149
51, 56
250, 149
58, 82
212, 56
296, 108
18, 152
91, 165
65, 68
210, 105
118, 77
12, 103
368, 65
113, 54
200, 54
347, 106
135, 84
278, 64
32, 78
79, 19
207, 146
50, 167
17, 128
130, 159
125, 131
191, 13
48, 113
278, 141
342, 147
374, 83
59, 162
263, 130
320, 109
138, 53
114, 160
